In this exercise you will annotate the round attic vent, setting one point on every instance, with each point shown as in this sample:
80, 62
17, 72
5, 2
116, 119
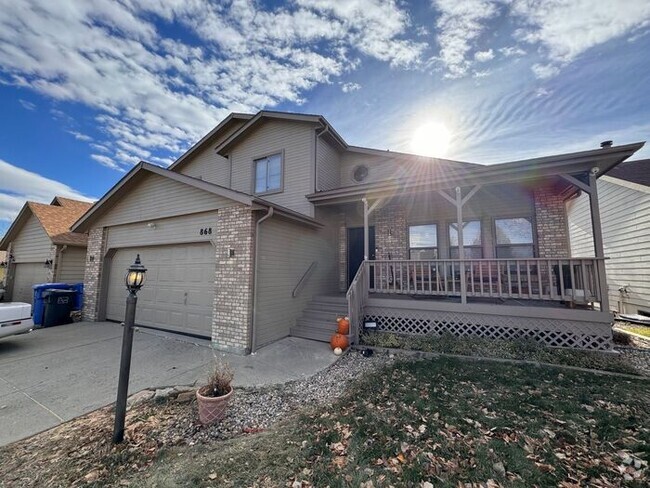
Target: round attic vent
360, 173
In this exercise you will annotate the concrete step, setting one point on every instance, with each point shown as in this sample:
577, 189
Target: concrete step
324, 315
314, 334
316, 323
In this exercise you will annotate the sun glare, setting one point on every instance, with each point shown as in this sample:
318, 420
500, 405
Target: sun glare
431, 139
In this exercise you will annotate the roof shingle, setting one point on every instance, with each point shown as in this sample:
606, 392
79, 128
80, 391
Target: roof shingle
56, 220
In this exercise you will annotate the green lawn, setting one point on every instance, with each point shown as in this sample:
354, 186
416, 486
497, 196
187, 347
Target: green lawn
642, 330
444, 422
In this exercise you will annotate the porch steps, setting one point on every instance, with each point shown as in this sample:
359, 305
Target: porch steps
318, 320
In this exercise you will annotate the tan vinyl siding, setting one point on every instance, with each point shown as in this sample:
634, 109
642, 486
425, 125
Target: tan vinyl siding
174, 230
32, 243
286, 252
328, 162
157, 197
380, 167
71, 265
625, 217
207, 165
296, 141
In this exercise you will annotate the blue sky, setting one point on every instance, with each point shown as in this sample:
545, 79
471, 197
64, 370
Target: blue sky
90, 87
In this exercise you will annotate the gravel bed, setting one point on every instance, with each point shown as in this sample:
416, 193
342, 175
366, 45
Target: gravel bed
256, 409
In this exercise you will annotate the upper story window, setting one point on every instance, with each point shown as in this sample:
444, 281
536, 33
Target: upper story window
423, 241
514, 238
472, 244
268, 174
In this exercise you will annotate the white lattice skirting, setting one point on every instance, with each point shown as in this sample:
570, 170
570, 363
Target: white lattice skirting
551, 332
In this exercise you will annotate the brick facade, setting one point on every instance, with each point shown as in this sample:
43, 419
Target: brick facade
551, 223
391, 232
93, 272
233, 301
55, 253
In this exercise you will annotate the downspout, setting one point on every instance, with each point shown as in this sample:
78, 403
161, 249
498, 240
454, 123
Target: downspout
268, 215
324, 130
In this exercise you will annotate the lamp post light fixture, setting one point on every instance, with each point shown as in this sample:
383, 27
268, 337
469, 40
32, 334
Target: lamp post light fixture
134, 279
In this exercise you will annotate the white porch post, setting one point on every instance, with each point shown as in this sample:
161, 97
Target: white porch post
366, 231
461, 250
599, 248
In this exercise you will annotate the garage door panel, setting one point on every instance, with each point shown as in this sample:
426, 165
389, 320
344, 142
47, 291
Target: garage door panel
179, 289
25, 276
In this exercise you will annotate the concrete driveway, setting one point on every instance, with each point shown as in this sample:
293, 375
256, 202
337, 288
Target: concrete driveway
56, 374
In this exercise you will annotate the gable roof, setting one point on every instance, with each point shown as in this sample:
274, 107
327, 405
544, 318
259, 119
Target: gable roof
633, 171
223, 125
270, 114
143, 168
55, 218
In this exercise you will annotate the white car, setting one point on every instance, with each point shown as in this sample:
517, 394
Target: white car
15, 318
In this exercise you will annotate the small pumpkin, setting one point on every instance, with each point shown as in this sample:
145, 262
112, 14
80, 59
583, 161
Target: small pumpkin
339, 340
338, 351
344, 325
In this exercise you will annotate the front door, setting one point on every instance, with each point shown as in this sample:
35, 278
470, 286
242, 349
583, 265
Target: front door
355, 250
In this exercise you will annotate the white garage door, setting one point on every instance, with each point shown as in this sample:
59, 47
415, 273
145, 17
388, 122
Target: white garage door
179, 289
26, 275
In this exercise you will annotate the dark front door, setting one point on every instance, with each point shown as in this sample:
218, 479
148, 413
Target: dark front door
355, 249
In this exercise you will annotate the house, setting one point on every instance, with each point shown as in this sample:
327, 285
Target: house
624, 198
3, 268
41, 248
272, 225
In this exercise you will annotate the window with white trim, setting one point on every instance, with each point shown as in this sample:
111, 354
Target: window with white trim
423, 241
472, 243
268, 174
514, 238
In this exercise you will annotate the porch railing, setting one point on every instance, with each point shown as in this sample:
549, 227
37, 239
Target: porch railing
575, 280
357, 297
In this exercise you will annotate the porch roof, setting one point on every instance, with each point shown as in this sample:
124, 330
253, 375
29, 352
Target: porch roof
511, 172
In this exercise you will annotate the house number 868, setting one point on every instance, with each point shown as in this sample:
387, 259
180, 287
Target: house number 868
206, 231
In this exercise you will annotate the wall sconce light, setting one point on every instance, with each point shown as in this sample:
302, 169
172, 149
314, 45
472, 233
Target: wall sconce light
47, 264
3, 264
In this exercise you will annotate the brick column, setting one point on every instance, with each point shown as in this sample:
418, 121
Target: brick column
10, 272
54, 258
93, 273
233, 301
391, 233
551, 223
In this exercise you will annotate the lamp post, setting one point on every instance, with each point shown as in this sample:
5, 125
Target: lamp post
134, 280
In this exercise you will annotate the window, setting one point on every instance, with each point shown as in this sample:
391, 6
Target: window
360, 173
514, 238
472, 244
423, 241
268, 174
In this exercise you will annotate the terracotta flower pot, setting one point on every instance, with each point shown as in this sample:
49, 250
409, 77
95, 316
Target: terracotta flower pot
212, 409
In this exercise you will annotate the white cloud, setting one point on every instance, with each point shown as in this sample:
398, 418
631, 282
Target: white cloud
510, 51
106, 161
459, 25
158, 95
80, 136
350, 87
483, 56
568, 28
544, 71
17, 185
27, 105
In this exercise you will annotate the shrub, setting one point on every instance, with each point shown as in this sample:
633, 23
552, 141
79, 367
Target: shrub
219, 380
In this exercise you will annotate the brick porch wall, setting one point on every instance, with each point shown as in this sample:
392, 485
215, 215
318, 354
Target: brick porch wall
551, 223
93, 272
233, 301
391, 233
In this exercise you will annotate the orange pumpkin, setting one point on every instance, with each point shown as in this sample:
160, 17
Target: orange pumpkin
344, 325
339, 340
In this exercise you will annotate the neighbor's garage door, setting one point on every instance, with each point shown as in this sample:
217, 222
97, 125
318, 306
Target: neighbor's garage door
26, 275
179, 288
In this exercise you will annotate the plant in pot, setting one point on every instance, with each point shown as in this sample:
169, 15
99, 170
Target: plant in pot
213, 397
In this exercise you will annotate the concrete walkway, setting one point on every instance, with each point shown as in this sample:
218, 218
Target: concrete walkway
53, 375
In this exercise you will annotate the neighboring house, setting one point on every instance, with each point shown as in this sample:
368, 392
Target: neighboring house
272, 225
41, 249
3, 267
624, 197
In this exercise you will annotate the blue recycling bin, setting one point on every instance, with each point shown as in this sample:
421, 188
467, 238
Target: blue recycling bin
39, 304
79, 297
